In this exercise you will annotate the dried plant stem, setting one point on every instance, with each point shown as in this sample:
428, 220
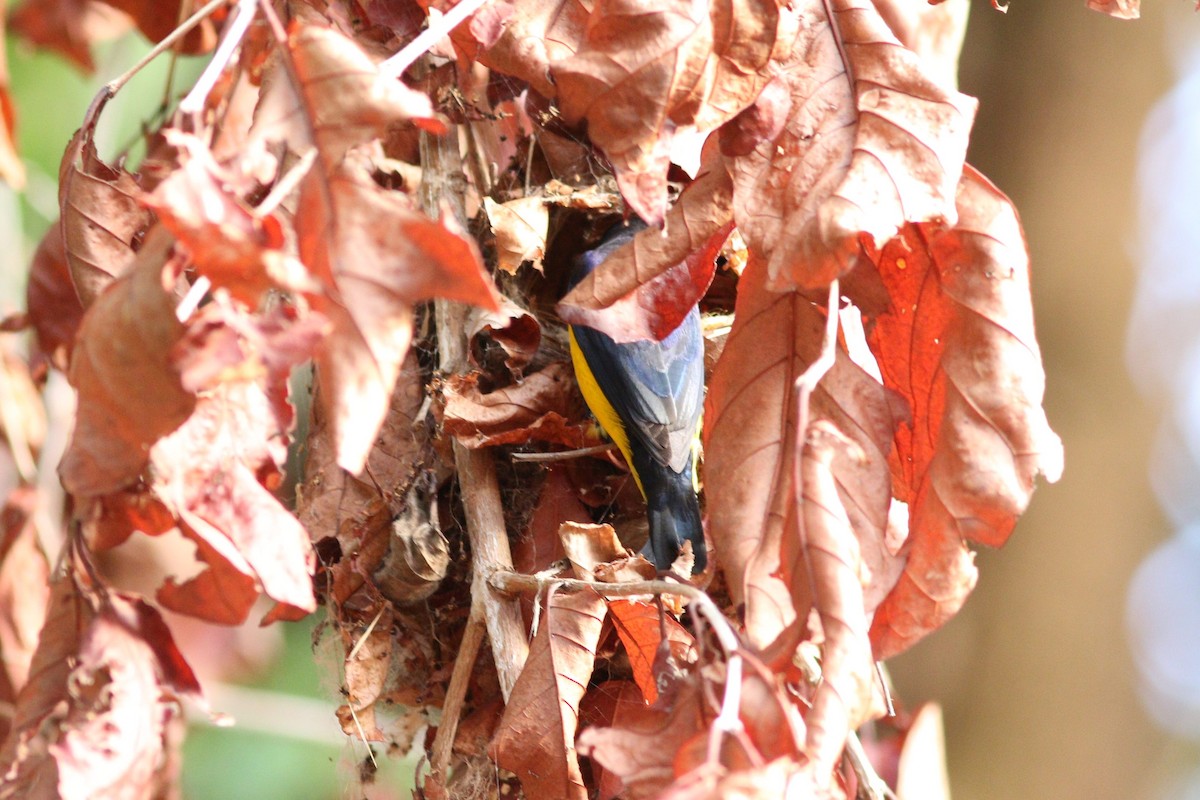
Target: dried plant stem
456, 691
194, 102
397, 64
441, 164
564, 455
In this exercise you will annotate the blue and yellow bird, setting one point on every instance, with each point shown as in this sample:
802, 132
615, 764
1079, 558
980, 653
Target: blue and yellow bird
648, 396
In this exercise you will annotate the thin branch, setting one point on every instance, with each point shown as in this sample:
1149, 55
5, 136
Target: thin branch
456, 690
193, 103
395, 66
441, 164
564, 455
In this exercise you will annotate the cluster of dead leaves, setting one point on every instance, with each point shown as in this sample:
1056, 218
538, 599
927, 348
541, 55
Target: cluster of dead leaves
296, 213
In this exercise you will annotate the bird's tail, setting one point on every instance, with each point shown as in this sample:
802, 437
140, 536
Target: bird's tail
674, 515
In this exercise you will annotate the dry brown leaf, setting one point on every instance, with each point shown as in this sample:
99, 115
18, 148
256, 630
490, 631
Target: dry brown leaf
235, 248
536, 737
102, 220
125, 340
958, 343
92, 721
50, 299
645, 288
749, 447
377, 257
346, 101
503, 343
826, 574
588, 545
24, 592
418, 554
642, 72
520, 229
537, 34
538, 409
860, 147
641, 744
357, 511
1121, 9
209, 473
69, 27
934, 32
368, 655
157, 19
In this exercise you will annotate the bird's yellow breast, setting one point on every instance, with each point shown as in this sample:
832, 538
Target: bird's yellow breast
603, 410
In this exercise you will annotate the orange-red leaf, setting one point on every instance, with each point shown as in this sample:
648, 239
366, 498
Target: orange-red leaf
958, 343
537, 34
69, 27
1121, 9
642, 627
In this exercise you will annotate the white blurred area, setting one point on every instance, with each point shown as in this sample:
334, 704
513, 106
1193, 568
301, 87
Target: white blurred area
1163, 353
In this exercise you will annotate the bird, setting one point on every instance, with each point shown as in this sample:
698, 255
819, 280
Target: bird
648, 396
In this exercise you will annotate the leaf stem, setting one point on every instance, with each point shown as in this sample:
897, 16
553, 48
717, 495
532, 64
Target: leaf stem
193, 103
395, 66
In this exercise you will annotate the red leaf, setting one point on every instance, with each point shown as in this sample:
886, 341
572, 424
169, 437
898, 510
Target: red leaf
647, 286
69, 27
958, 343
641, 627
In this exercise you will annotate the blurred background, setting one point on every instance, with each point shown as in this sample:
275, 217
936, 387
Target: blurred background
1042, 692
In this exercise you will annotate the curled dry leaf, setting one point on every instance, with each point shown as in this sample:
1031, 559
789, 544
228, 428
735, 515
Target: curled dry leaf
157, 19
826, 575
538, 409
644, 289
1121, 9
588, 545
24, 591
50, 299
641, 744
102, 220
933, 32
418, 554
235, 248
922, 768
958, 343
520, 229
749, 444
104, 686
868, 144
537, 34
503, 343
68, 27
536, 737
642, 73
125, 340
368, 655
378, 257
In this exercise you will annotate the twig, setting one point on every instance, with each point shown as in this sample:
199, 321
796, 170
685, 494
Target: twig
193, 103
395, 66
564, 455
870, 785
456, 691
284, 186
486, 529
366, 634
